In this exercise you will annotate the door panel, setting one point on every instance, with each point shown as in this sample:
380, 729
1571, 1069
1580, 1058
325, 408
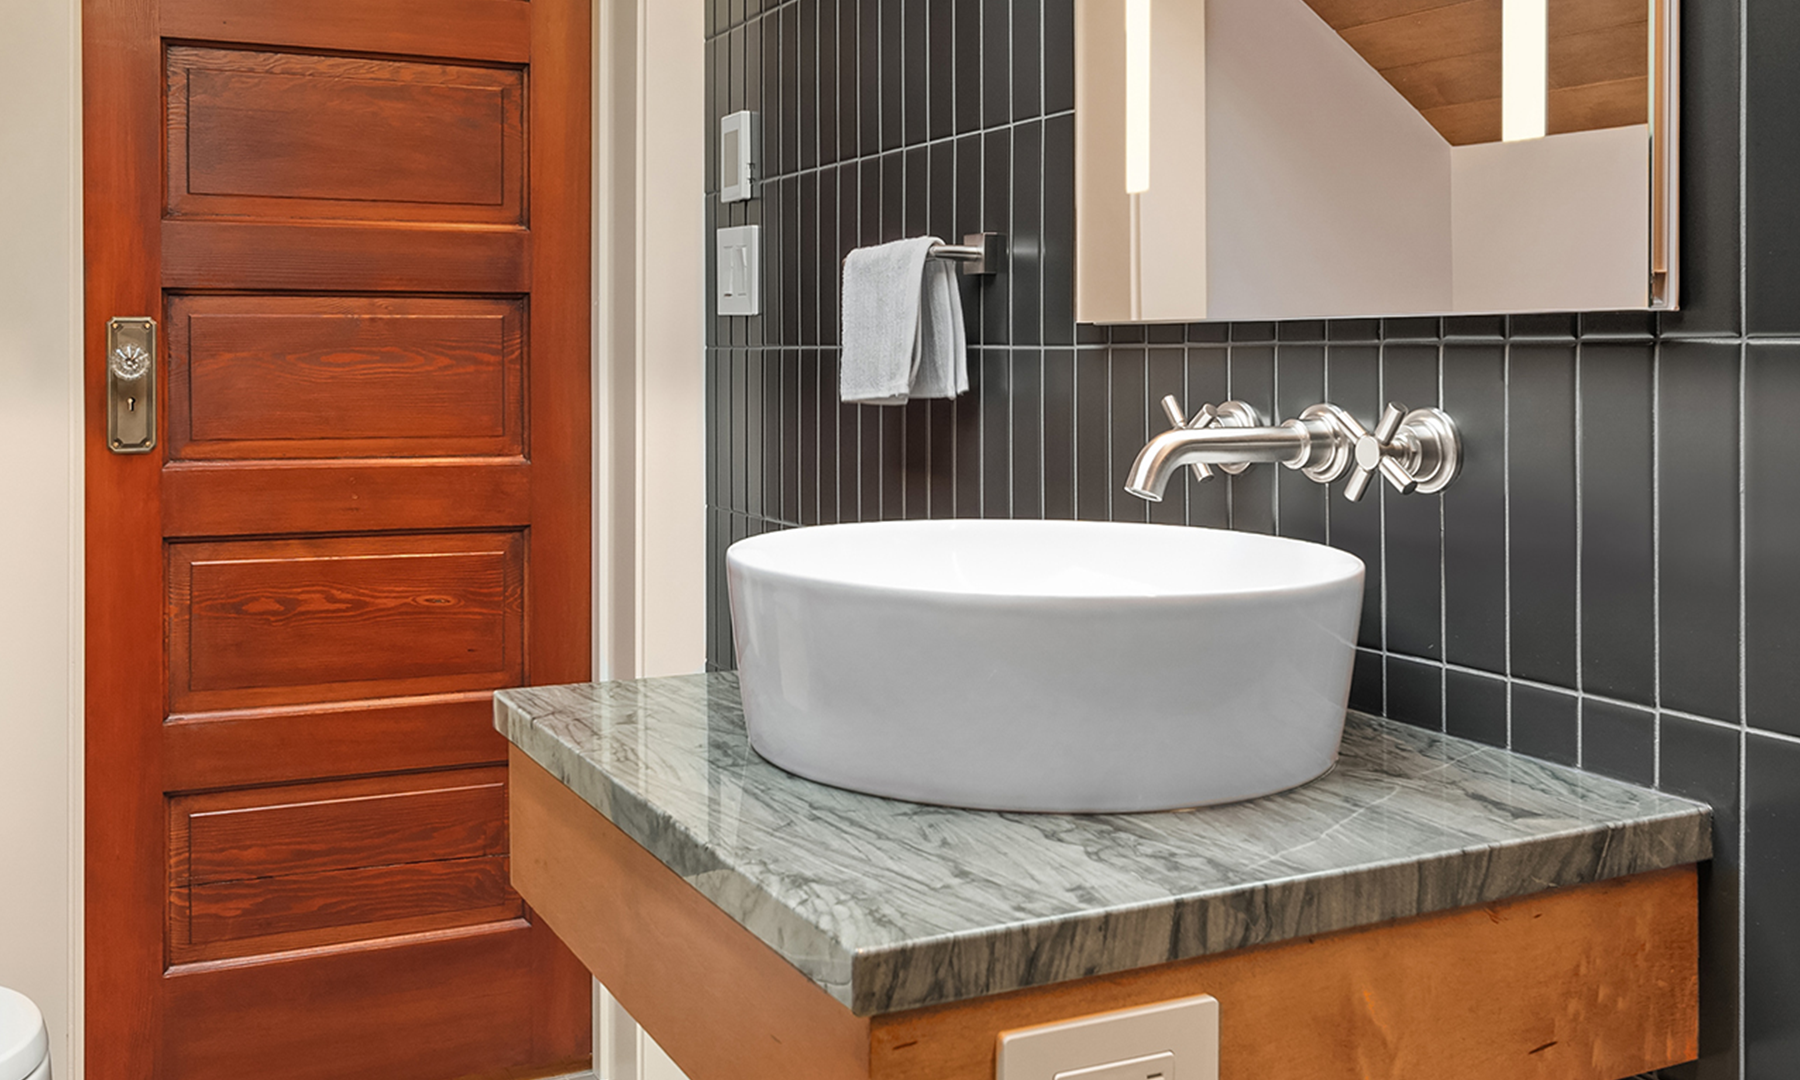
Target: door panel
295, 910
281, 377
364, 231
340, 825
277, 622
240, 747
339, 496
289, 1019
396, 27
332, 257
288, 135
273, 869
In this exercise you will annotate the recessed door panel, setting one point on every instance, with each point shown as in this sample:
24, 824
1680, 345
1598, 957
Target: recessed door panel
264, 622
286, 135
301, 866
318, 377
284, 743
343, 825
416, 1014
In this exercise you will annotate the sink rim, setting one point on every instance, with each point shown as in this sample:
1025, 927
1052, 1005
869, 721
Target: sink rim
1329, 566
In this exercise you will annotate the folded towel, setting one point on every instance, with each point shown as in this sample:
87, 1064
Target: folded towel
903, 326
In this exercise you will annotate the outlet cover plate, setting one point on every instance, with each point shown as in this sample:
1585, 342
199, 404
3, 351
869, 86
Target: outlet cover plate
1180, 1038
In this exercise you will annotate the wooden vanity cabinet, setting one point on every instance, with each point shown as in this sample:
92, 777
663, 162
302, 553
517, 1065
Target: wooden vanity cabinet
1590, 982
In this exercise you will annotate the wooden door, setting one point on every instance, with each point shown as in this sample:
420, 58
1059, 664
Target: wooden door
363, 228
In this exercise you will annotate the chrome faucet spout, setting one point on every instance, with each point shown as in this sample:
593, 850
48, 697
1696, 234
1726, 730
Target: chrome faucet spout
1289, 444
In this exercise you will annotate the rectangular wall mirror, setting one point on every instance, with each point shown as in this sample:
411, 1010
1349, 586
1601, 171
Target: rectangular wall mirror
1287, 159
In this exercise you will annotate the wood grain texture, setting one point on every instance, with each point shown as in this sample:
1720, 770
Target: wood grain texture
337, 825
275, 622
248, 918
329, 257
297, 135
724, 1005
1582, 108
289, 1018
245, 747
332, 377
1466, 122
218, 498
558, 603
123, 880
493, 30
1594, 982
1444, 57
1605, 54
1464, 28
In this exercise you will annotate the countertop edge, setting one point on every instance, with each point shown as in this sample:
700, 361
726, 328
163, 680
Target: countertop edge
887, 979
821, 958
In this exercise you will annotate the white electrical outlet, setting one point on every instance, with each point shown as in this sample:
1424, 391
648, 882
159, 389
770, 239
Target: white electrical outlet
740, 270
1156, 1042
1150, 1067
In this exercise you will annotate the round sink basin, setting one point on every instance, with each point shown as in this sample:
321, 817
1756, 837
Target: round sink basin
1045, 665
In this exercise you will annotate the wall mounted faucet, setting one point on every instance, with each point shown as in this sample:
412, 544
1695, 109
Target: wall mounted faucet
1414, 450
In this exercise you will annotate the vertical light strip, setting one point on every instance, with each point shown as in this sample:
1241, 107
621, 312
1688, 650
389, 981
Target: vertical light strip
1524, 68
1137, 96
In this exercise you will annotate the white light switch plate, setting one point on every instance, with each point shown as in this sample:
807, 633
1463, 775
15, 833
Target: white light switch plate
740, 270
1177, 1038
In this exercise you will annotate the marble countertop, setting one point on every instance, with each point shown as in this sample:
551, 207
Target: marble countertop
891, 905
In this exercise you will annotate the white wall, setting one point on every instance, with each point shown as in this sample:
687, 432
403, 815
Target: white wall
1560, 223
649, 323
40, 486
1327, 193
1139, 257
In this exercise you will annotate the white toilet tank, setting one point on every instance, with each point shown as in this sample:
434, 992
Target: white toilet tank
24, 1042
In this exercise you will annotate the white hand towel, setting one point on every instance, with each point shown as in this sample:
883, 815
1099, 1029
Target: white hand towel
903, 326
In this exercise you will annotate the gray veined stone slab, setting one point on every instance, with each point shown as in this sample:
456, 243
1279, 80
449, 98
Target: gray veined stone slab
892, 905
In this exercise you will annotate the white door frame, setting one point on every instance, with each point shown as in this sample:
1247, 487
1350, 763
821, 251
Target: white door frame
649, 385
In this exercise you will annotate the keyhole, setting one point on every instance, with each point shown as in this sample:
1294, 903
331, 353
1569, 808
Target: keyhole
131, 404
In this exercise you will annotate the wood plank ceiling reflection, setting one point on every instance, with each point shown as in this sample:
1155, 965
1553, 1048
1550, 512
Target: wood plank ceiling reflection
1444, 58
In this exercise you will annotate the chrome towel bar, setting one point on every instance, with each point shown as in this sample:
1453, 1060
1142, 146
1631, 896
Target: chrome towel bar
979, 253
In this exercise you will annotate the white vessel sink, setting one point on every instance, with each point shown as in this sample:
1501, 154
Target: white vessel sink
1045, 665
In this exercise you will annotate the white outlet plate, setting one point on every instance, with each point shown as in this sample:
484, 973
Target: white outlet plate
1150, 1067
739, 272
1177, 1038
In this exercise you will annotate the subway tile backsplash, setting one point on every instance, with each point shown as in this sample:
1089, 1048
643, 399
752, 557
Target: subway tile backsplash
1610, 583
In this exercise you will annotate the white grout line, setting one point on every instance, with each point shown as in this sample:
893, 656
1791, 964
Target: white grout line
1443, 572
1580, 522
1656, 627
1743, 314
1506, 527
1381, 520
1275, 418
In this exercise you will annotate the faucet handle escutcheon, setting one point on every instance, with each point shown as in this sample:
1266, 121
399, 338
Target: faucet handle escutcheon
1414, 450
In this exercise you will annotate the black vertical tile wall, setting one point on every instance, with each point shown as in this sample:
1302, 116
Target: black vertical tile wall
1611, 581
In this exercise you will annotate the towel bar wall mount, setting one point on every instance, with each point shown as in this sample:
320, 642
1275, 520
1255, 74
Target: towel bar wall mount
981, 254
